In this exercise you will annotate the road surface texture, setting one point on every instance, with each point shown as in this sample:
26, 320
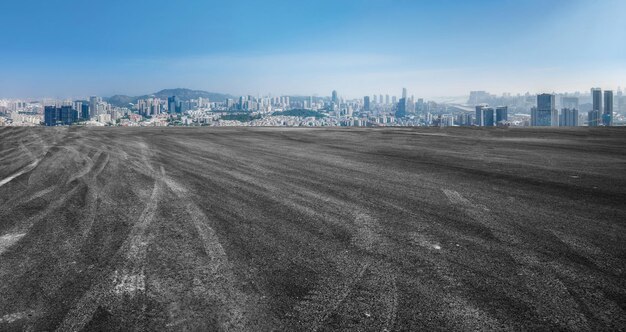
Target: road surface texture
241, 229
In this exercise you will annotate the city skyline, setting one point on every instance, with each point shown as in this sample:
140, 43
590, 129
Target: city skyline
435, 49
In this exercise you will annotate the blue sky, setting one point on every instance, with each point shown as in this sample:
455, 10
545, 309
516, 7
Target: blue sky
74, 48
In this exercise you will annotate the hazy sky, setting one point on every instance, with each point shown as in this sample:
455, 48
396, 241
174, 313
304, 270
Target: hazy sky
72, 48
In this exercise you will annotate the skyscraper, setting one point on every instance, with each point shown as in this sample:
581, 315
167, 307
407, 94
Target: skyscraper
484, 116
334, 99
51, 115
173, 105
596, 110
84, 112
68, 115
607, 115
621, 104
93, 105
488, 116
592, 118
596, 96
480, 119
545, 114
401, 108
366, 103
404, 93
568, 117
502, 115
64, 115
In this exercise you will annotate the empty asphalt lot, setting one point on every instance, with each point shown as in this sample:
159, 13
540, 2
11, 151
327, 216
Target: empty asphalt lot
248, 229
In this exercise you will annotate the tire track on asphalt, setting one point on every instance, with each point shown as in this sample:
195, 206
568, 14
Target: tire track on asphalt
221, 279
131, 277
9, 240
24, 170
481, 214
535, 275
370, 279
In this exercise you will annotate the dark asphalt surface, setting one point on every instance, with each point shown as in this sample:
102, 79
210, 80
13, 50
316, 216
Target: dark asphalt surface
312, 229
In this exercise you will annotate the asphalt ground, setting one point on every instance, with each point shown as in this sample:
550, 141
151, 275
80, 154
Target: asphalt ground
255, 229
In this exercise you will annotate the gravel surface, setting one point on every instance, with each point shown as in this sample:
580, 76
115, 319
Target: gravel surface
255, 229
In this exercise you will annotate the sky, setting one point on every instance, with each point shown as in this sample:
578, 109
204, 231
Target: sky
434, 48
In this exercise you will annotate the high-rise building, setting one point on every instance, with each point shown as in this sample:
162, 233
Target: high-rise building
84, 112
334, 99
568, 117
401, 108
545, 114
68, 115
387, 100
593, 117
173, 105
502, 115
484, 116
420, 104
93, 104
596, 109
607, 115
488, 116
229, 103
366, 103
404, 93
596, 96
621, 104
240, 104
51, 116
64, 115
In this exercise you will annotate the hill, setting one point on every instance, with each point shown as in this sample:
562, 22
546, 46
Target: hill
183, 94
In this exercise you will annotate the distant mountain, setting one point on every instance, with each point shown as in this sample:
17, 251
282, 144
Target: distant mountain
186, 94
121, 100
182, 94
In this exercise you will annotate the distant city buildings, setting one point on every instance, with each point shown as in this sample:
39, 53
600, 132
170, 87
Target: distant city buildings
56, 116
173, 105
545, 113
596, 107
595, 114
568, 117
607, 115
502, 115
484, 116
401, 108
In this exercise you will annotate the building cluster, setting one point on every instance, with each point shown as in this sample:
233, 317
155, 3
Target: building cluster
595, 109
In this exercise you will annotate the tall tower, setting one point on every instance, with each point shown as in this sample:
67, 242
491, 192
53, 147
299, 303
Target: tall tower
404, 93
480, 118
596, 96
401, 108
502, 115
173, 105
366, 103
607, 115
545, 114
